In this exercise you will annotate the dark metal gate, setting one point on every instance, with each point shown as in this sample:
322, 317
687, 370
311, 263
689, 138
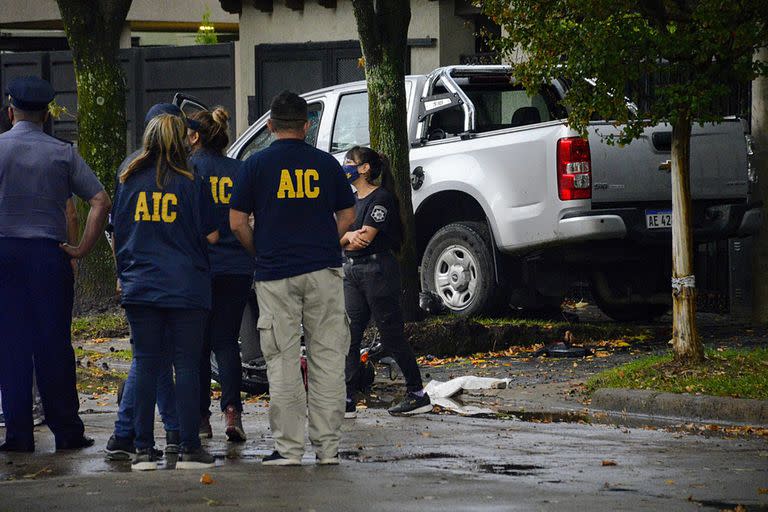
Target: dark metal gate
302, 68
152, 75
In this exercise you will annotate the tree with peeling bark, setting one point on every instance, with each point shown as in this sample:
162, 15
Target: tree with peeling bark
760, 137
383, 29
700, 46
93, 29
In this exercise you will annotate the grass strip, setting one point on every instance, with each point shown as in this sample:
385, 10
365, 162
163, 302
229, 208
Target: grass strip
109, 325
738, 373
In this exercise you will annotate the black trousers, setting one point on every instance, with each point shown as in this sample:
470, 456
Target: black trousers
230, 293
36, 293
372, 289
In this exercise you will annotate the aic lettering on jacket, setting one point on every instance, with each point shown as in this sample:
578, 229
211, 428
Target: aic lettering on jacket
298, 185
221, 189
158, 208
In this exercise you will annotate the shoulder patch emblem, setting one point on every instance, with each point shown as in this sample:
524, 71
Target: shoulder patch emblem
379, 213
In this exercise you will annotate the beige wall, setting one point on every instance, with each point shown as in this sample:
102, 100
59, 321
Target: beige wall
429, 19
179, 11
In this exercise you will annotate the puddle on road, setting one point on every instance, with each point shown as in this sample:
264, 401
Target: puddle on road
546, 417
357, 456
509, 469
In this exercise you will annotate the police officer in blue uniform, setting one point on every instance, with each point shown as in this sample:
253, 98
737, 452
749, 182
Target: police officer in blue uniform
38, 175
163, 216
372, 276
232, 269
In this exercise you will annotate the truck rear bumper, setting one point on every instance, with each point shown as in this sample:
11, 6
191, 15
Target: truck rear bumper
591, 227
718, 222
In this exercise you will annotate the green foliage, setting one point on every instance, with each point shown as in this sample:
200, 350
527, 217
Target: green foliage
725, 372
699, 46
206, 33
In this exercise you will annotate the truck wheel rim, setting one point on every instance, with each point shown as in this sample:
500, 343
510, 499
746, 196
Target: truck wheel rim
456, 276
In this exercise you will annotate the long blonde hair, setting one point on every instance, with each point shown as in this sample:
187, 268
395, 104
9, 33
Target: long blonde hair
164, 142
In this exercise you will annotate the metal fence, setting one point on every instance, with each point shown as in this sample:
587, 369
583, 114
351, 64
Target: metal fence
152, 75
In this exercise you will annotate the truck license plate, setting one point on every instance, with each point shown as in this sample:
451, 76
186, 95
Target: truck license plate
658, 219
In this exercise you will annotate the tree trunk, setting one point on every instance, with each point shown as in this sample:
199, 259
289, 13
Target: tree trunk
383, 37
93, 30
685, 338
760, 164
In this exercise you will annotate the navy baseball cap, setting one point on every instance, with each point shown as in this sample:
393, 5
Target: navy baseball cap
169, 108
30, 93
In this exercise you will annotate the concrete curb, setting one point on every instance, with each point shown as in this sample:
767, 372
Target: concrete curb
687, 408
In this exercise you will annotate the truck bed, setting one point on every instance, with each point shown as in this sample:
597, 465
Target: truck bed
631, 174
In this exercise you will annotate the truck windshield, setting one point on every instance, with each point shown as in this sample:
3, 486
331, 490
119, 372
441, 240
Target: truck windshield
498, 105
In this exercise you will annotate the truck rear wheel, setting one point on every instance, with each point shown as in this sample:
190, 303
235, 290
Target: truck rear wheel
626, 296
458, 266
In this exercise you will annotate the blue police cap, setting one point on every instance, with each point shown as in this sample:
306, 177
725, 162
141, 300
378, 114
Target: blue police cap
30, 93
169, 108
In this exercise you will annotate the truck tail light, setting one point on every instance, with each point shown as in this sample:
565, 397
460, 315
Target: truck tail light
574, 169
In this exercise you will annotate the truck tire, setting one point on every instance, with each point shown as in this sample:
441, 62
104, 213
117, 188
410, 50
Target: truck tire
458, 266
616, 282
632, 312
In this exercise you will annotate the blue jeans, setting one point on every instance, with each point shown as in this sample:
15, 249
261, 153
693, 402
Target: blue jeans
165, 337
166, 404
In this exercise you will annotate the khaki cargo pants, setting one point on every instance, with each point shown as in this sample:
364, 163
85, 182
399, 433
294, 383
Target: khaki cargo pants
316, 300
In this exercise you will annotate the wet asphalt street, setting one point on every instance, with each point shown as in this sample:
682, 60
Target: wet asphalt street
432, 462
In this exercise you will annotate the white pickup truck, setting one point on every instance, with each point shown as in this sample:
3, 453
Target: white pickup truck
512, 206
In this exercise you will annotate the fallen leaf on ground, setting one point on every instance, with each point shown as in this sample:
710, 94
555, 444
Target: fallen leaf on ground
36, 474
669, 482
609, 463
206, 479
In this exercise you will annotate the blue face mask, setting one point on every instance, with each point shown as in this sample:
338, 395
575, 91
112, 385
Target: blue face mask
351, 172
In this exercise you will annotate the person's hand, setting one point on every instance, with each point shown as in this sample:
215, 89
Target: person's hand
73, 251
358, 240
118, 287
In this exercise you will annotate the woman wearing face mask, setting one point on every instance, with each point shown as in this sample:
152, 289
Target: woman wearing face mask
163, 217
232, 270
372, 276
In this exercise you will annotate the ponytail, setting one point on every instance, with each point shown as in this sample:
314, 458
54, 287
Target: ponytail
213, 128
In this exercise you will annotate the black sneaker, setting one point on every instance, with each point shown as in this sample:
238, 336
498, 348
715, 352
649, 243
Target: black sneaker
75, 444
275, 459
195, 459
351, 411
145, 460
172, 441
411, 405
120, 448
